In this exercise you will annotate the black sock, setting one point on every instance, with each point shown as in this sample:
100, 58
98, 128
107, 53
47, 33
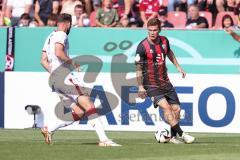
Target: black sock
173, 133
177, 129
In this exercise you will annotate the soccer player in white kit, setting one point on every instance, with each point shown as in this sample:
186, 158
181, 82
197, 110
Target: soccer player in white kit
55, 54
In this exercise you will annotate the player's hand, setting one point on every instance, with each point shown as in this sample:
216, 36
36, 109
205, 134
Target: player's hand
182, 72
142, 92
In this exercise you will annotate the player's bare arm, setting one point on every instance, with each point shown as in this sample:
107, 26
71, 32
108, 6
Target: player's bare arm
141, 91
173, 59
233, 34
44, 62
60, 53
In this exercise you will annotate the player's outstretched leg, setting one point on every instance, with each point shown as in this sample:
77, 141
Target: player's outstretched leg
95, 121
49, 130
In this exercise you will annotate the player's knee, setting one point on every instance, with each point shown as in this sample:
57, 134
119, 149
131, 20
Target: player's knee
176, 108
84, 102
167, 108
169, 116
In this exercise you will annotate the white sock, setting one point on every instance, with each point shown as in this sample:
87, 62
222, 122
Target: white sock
96, 123
59, 124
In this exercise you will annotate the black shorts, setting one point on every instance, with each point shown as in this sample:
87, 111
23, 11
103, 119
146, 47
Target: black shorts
168, 92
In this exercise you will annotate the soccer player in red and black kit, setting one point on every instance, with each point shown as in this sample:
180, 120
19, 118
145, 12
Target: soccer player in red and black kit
153, 79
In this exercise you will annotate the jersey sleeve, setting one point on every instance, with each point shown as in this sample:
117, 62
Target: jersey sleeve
60, 37
45, 45
168, 45
140, 54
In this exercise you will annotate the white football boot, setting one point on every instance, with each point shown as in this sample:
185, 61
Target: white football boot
174, 140
108, 143
187, 138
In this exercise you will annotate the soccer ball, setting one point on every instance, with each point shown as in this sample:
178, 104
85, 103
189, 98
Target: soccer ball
162, 136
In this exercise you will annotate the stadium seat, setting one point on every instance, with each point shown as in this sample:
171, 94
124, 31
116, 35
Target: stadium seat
93, 19
218, 22
177, 18
208, 16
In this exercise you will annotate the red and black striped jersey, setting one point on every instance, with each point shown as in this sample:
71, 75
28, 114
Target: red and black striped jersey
152, 57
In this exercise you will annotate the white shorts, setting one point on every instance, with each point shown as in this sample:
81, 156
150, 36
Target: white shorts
71, 88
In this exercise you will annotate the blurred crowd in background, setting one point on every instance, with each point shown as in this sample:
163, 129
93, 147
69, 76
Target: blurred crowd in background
180, 14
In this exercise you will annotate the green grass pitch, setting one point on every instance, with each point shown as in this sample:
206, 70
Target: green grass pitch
82, 145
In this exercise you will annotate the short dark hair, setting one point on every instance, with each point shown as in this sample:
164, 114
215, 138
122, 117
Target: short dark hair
64, 17
154, 22
80, 6
25, 16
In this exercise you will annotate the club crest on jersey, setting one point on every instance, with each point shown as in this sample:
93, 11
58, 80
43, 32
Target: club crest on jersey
163, 46
151, 51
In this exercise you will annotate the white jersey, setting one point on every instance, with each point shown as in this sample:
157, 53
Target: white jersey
49, 48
